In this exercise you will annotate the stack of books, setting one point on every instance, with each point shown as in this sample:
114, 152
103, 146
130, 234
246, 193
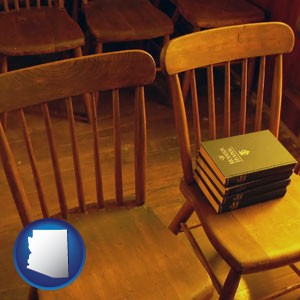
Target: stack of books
243, 170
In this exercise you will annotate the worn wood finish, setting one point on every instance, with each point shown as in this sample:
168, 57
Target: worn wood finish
255, 245
126, 259
53, 30
129, 251
38, 29
263, 236
107, 71
231, 43
122, 21
119, 21
163, 194
212, 14
203, 14
87, 72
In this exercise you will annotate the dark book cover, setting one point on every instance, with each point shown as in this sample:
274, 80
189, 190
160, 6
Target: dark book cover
272, 195
246, 157
244, 195
205, 171
229, 206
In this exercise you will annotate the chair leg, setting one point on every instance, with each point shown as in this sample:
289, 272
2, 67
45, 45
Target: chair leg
166, 39
75, 8
175, 16
86, 96
32, 294
230, 286
4, 69
99, 49
181, 217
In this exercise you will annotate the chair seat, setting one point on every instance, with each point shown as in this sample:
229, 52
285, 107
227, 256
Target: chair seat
129, 20
38, 31
130, 254
257, 237
216, 13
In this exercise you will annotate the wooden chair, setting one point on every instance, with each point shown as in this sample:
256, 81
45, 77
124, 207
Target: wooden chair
203, 14
215, 13
129, 253
37, 29
259, 237
123, 21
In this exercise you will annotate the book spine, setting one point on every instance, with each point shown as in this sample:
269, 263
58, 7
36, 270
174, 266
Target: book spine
205, 172
257, 183
256, 175
229, 206
244, 196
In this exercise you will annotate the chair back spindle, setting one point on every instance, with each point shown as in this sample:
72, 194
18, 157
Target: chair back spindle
140, 145
243, 106
227, 106
14, 179
220, 48
55, 162
33, 163
96, 148
211, 103
37, 87
17, 5
117, 147
75, 154
276, 96
196, 119
260, 93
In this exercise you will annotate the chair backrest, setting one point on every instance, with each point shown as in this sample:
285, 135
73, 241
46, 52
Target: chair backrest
9, 5
223, 46
40, 85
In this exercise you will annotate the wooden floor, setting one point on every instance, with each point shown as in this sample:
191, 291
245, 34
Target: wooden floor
163, 174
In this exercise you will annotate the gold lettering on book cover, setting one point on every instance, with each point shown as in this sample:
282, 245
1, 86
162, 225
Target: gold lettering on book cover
234, 205
231, 155
244, 152
238, 197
